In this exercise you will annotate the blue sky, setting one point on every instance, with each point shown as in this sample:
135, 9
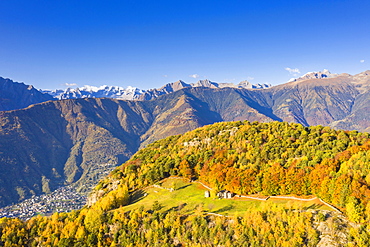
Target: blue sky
50, 44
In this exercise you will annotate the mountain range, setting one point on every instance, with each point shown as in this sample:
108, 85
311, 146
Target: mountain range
70, 141
133, 93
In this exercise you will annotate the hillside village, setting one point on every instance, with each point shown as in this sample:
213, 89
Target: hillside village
64, 199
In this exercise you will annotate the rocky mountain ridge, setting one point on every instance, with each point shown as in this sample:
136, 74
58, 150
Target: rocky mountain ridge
10, 101
14, 95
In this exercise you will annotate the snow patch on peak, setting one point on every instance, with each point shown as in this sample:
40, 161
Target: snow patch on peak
104, 91
325, 71
89, 88
134, 93
315, 75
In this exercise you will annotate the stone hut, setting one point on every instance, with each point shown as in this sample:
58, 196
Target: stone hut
207, 194
225, 194
229, 194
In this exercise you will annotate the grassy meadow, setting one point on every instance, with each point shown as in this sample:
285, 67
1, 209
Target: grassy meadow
189, 198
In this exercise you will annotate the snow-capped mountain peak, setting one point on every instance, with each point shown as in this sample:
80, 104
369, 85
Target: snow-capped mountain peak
96, 92
315, 75
134, 93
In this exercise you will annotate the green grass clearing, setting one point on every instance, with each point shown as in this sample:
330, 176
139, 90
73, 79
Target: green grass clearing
188, 196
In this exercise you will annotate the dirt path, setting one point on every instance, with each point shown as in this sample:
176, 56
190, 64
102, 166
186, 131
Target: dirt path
259, 198
280, 197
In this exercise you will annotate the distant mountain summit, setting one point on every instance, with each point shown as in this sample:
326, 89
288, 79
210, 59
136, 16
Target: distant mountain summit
244, 84
133, 93
96, 92
14, 95
315, 75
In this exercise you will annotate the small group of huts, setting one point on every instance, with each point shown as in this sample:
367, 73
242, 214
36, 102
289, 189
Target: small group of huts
223, 194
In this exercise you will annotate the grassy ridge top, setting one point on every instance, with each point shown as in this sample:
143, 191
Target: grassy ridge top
180, 194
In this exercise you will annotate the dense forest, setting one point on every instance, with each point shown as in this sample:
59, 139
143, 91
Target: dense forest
268, 158
273, 226
245, 158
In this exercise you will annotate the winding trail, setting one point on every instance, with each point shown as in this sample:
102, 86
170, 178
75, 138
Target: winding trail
277, 197
256, 198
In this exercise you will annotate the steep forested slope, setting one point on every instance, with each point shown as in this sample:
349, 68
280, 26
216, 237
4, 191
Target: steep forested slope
246, 158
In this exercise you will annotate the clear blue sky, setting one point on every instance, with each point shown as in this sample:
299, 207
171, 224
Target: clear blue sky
149, 43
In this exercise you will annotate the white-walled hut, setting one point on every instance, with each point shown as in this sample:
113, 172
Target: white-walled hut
207, 194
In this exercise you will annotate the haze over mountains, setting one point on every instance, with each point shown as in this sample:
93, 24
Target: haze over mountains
61, 142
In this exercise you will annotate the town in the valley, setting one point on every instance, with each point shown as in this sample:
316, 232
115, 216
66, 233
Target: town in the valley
64, 199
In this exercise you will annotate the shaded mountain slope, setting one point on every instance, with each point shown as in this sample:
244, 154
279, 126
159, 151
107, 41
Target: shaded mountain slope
359, 117
48, 145
315, 101
190, 108
71, 141
15, 95
315, 98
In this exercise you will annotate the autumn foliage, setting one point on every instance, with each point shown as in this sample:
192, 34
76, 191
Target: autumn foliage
268, 158
246, 158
